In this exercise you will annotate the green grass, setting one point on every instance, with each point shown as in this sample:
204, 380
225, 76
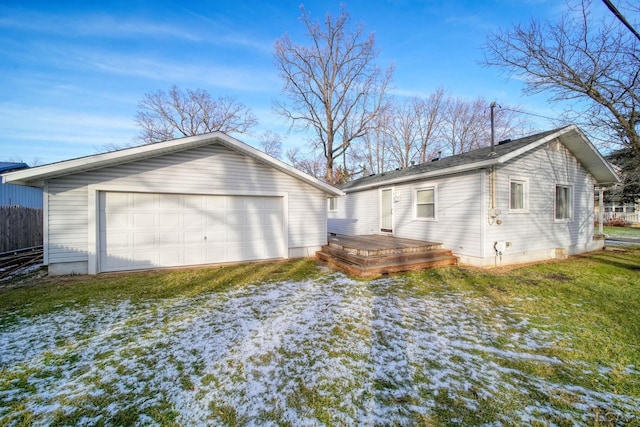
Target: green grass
57, 293
590, 305
628, 232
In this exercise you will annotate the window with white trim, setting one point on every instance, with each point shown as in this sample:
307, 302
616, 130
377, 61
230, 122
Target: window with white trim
425, 201
518, 195
564, 203
333, 204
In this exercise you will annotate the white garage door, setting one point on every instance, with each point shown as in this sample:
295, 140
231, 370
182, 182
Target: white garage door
141, 230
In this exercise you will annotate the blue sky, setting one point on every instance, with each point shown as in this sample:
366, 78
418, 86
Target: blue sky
73, 72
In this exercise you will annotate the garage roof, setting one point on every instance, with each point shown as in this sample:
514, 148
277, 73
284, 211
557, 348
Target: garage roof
36, 176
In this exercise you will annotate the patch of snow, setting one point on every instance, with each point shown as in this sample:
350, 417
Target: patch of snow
370, 352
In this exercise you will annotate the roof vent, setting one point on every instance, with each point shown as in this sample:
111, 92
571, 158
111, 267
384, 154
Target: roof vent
504, 141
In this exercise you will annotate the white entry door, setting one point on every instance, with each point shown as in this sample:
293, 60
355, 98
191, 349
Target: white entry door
386, 210
143, 230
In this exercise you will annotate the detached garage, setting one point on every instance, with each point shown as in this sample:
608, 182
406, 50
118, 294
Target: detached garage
198, 200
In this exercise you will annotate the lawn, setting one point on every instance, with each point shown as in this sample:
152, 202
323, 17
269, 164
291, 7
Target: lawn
626, 232
286, 343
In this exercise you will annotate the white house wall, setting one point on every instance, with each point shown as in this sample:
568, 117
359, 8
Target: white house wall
458, 205
536, 234
357, 214
207, 170
458, 225
463, 224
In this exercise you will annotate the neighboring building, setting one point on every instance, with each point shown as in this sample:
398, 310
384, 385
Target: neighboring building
524, 200
196, 200
18, 195
620, 212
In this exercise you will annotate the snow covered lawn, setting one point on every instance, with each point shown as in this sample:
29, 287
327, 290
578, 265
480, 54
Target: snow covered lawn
326, 350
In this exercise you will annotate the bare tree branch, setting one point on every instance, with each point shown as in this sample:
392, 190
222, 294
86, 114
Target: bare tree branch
592, 63
333, 84
164, 116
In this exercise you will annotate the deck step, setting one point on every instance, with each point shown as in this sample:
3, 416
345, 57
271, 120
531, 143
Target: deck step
357, 247
381, 267
379, 260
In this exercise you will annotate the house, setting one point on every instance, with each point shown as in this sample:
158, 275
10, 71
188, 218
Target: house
524, 200
196, 200
18, 195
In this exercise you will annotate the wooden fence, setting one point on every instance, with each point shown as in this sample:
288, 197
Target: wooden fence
20, 228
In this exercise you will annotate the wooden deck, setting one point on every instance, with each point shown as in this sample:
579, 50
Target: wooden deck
374, 255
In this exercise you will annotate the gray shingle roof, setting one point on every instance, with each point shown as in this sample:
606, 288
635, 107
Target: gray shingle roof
443, 164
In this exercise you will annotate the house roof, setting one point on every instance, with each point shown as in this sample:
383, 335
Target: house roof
36, 176
12, 166
571, 136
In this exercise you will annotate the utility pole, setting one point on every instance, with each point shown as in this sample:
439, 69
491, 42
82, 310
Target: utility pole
492, 107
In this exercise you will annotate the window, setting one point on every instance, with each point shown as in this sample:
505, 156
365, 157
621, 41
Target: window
518, 195
564, 203
425, 203
333, 204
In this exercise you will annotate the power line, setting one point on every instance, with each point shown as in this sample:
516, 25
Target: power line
530, 114
620, 17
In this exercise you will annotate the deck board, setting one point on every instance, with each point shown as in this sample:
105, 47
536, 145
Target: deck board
372, 255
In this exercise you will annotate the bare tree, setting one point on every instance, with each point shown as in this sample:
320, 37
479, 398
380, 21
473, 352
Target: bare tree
593, 62
334, 86
430, 118
412, 125
163, 116
271, 143
465, 124
35, 161
311, 164
373, 151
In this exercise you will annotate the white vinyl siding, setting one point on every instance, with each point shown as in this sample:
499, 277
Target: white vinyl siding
357, 214
458, 210
537, 229
208, 170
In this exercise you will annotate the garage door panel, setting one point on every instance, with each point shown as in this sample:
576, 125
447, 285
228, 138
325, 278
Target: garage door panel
214, 218
160, 230
169, 220
142, 239
194, 220
117, 200
118, 241
143, 220
144, 258
117, 220
142, 201
235, 252
215, 203
215, 253
117, 261
169, 201
234, 219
